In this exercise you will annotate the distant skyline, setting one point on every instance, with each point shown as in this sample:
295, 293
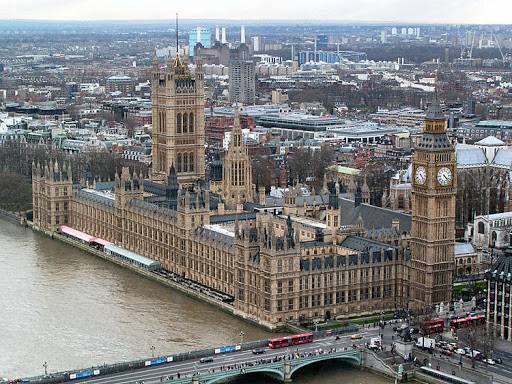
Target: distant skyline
411, 11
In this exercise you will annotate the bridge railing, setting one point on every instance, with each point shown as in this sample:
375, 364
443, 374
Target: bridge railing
107, 369
60, 377
275, 367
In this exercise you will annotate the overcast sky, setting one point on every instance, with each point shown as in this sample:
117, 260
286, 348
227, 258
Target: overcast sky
420, 11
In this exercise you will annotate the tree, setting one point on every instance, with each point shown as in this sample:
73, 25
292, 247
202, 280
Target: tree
130, 123
299, 164
304, 163
477, 336
263, 171
15, 192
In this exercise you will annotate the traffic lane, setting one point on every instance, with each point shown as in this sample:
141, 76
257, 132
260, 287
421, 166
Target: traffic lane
225, 359
500, 369
184, 368
241, 363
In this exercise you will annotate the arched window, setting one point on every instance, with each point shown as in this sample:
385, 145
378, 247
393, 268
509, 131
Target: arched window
191, 164
191, 122
185, 123
178, 123
179, 163
481, 228
494, 237
185, 162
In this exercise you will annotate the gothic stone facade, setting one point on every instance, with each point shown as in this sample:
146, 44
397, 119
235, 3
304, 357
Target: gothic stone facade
434, 189
266, 264
178, 121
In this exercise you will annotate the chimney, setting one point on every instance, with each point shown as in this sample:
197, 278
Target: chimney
261, 196
198, 36
395, 224
223, 40
242, 35
217, 34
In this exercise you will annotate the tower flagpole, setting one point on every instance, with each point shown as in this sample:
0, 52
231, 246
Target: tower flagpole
177, 45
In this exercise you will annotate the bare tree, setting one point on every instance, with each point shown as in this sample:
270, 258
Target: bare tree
15, 192
477, 336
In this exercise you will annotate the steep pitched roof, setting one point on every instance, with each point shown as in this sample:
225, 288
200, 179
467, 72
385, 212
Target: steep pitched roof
372, 216
503, 157
470, 156
502, 269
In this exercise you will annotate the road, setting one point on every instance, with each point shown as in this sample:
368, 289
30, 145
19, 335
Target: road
235, 359
504, 370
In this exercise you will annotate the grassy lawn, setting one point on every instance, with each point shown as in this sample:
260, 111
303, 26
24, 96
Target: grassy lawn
353, 321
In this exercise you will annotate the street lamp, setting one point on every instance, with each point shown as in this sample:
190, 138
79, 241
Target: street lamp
45, 366
152, 348
242, 334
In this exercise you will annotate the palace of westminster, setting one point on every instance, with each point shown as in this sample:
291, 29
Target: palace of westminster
304, 257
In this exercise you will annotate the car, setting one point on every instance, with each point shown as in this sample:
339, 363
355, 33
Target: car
204, 360
357, 336
446, 352
258, 351
489, 361
498, 360
460, 351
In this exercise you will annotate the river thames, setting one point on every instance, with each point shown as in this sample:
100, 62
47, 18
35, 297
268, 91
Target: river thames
73, 310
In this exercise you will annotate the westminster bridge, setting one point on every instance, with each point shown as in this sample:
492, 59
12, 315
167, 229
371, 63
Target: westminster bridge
217, 365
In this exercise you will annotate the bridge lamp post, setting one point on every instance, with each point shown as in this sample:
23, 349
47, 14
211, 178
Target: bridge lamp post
242, 334
152, 348
45, 366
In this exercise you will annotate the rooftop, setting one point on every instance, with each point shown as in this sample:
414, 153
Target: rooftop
507, 124
502, 269
345, 170
463, 249
306, 221
490, 141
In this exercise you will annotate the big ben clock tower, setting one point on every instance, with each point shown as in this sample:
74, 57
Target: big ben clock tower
434, 187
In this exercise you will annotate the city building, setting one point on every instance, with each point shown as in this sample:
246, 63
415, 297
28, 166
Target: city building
322, 42
242, 82
201, 36
330, 56
499, 299
501, 129
120, 83
491, 231
408, 117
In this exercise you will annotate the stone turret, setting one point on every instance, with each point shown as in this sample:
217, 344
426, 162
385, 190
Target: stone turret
261, 196
128, 187
52, 190
365, 192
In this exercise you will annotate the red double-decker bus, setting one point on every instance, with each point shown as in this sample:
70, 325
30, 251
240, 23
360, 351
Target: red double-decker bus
287, 341
433, 326
467, 321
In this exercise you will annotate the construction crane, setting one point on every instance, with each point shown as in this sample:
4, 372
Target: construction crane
495, 38
465, 51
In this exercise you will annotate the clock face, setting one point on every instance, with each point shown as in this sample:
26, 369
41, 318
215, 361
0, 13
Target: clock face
444, 176
421, 175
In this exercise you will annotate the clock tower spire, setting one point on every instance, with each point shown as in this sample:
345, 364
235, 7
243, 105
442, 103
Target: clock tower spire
434, 189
